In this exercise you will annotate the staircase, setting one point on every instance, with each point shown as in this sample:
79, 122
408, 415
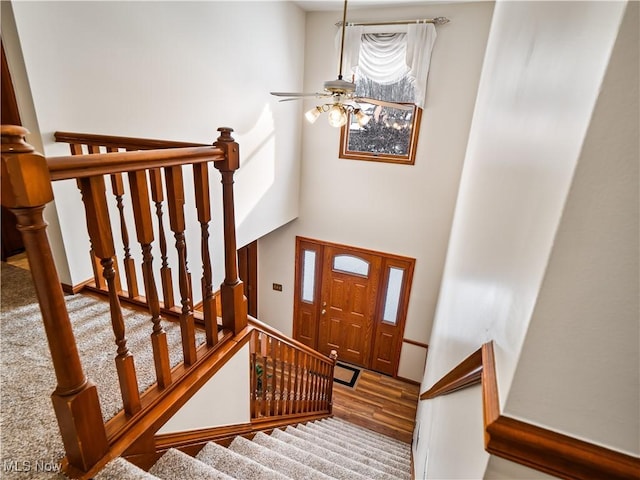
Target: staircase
325, 449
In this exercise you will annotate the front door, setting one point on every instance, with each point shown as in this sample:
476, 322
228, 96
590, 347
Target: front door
353, 301
349, 294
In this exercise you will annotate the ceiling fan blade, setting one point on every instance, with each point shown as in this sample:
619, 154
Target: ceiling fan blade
382, 103
295, 94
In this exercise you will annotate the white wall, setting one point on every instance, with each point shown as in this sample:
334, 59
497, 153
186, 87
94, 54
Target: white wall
223, 400
172, 70
579, 371
406, 210
541, 76
29, 120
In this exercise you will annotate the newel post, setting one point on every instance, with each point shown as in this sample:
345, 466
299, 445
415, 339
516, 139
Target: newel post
234, 303
26, 189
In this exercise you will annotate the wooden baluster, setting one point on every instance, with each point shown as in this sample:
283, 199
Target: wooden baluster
299, 360
264, 348
283, 365
76, 149
274, 377
117, 186
253, 387
144, 231
315, 385
26, 189
234, 303
257, 393
289, 362
203, 205
175, 201
99, 228
334, 359
305, 378
157, 195
325, 384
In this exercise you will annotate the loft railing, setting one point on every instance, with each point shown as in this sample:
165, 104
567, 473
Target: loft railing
27, 187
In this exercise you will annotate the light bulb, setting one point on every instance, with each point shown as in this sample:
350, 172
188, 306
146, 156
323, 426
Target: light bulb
313, 114
362, 117
337, 116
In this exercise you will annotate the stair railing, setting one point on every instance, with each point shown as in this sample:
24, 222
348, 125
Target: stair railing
27, 187
289, 380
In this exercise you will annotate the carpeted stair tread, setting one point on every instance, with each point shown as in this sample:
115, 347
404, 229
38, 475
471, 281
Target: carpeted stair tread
327, 454
275, 461
175, 465
119, 468
343, 425
236, 465
374, 457
365, 445
368, 437
307, 458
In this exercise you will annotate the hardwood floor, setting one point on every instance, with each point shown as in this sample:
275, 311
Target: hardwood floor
379, 403
20, 260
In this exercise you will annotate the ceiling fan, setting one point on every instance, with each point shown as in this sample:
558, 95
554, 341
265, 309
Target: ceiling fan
340, 94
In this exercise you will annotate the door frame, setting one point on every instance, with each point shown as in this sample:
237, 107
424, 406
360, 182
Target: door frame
388, 260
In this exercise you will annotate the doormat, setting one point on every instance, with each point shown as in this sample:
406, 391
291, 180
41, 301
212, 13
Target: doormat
346, 374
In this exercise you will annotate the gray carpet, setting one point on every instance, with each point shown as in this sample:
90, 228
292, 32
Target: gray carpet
29, 434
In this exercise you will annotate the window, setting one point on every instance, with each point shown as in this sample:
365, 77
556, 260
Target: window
351, 264
390, 67
308, 275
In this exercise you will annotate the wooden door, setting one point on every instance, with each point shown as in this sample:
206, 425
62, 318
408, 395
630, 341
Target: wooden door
351, 300
349, 294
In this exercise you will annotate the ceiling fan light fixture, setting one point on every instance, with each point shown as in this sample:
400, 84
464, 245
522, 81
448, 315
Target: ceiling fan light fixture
313, 114
337, 115
361, 117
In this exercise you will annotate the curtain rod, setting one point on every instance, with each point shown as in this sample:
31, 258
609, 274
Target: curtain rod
435, 21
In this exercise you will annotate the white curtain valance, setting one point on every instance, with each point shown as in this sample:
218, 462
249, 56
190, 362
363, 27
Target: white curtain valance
385, 56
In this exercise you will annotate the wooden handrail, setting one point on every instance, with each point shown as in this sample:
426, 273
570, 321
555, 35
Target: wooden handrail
527, 444
287, 340
128, 143
80, 166
26, 188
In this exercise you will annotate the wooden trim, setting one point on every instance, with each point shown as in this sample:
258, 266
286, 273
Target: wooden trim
408, 159
543, 449
201, 436
77, 288
129, 143
527, 444
408, 380
465, 374
417, 344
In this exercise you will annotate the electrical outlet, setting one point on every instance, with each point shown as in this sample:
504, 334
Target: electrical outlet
277, 287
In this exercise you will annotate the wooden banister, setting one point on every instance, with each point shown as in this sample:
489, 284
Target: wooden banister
26, 189
149, 171
288, 378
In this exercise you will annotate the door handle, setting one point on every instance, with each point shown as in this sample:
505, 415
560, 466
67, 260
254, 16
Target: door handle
323, 312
